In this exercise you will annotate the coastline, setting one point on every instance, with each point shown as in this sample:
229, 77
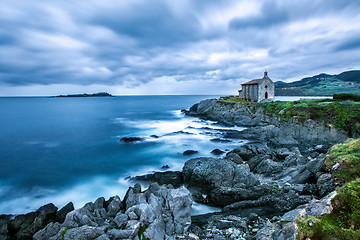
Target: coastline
250, 177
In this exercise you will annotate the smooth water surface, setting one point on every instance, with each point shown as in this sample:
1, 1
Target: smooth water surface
68, 149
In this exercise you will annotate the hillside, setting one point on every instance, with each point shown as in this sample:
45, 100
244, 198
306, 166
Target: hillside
321, 85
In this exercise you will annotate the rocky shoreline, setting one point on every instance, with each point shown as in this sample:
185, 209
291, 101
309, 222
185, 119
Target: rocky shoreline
261, 187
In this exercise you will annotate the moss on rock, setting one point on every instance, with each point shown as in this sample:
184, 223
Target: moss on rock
344, 220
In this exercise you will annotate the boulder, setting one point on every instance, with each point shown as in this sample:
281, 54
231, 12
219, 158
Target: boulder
217, 152
320, 207
190, 152
234, 158
209, 173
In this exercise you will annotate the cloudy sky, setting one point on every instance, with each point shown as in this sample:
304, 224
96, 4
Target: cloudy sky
171, 47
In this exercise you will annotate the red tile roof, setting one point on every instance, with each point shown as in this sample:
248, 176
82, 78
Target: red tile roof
252, 82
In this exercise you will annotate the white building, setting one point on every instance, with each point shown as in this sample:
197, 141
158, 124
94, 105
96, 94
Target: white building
258, 90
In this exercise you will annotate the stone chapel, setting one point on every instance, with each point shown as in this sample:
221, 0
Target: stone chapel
258, 90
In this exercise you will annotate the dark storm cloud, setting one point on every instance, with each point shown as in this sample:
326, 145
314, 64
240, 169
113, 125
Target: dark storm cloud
131, 43
352, 43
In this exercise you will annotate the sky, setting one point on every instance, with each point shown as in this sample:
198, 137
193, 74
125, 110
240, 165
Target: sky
171, 47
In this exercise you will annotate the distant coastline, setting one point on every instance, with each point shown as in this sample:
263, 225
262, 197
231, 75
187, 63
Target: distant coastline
100, 94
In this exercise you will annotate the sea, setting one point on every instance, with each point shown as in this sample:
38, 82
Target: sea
57, 150
68, 149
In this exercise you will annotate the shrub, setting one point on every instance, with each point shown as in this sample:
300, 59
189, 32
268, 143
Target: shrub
347, 96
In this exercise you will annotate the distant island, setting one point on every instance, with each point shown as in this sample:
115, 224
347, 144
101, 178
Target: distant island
100, 94
321, 85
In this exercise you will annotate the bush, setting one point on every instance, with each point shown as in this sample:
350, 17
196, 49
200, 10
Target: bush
347, 96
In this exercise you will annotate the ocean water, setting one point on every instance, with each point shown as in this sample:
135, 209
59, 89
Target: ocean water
67, 149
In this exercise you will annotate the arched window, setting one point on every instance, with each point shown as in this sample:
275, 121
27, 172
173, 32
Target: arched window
266, 95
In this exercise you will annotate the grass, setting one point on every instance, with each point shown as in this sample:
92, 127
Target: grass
343, 115
141, 232
348, 156
64, 231
234, 99
344, 220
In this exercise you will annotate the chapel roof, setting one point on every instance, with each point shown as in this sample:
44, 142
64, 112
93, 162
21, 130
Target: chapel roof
252, 82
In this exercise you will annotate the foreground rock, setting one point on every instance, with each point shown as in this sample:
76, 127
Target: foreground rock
233, 226
24, 226
160, 212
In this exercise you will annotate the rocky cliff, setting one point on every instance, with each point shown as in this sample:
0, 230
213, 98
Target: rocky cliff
263, 125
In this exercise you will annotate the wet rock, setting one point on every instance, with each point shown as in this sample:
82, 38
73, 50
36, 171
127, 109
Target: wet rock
164, 167
220, 140
168, 177
217, 152
131, 139
190, 152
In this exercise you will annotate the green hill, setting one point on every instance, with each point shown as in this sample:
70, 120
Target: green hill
321, 85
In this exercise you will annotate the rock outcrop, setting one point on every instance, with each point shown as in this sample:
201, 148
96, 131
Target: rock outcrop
267, 127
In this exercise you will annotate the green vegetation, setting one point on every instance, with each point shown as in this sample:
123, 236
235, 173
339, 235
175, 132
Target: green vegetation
64, 231
348, 156
233, 99
321, 85
344, 221
341, 114
141, 232
347, 96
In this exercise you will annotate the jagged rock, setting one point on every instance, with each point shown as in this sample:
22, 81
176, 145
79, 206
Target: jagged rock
83, 232
320, 207
61, 214
325, 184
25, 226
46, 233
161, 212
114, 206
121, 220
